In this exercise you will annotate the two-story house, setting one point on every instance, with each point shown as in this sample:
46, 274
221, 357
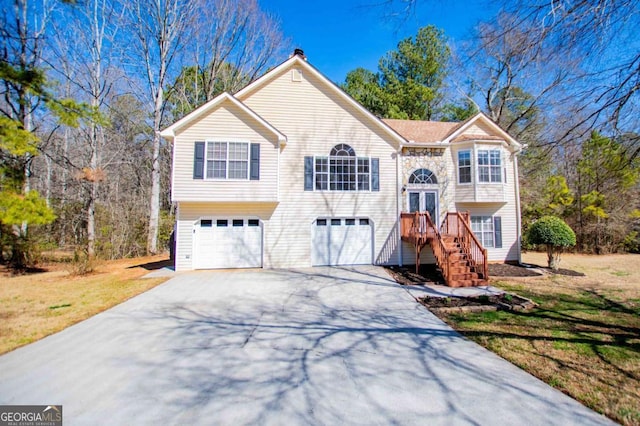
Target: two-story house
292, 172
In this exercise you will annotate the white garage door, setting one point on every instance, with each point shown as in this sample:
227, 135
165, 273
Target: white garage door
341, 241
227, 243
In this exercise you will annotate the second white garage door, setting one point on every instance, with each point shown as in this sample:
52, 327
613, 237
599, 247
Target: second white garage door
341, 241
227, 243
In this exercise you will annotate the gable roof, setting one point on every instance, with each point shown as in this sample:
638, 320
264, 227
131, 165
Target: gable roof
439, 132
170, 132
421, 131
457, 134
297, 60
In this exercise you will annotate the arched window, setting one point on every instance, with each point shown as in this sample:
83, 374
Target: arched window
342, 170
342, 150
423, 176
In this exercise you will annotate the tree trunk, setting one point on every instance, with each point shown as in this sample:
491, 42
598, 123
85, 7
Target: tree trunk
154, 205
63, 198
553, 257
93, 194
154, 202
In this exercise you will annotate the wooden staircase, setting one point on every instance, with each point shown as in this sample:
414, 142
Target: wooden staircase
459, 255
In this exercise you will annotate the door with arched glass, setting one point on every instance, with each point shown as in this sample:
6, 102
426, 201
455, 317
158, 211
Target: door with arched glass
422, 193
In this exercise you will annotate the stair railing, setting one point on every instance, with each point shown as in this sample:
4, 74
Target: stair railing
440, 252
459, 224
419, 229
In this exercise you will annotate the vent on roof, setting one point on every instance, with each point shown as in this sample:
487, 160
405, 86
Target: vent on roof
296, 75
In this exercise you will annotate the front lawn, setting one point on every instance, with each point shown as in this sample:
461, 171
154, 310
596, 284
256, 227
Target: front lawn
583, 339
38, 304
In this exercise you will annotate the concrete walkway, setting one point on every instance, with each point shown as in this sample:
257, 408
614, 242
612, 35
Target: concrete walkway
322, 346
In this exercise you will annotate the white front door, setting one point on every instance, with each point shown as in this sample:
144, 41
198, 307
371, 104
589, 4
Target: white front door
341, 241
227, 243
425, 201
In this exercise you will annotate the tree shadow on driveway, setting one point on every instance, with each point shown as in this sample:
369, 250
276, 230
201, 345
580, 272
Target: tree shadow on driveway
327, 347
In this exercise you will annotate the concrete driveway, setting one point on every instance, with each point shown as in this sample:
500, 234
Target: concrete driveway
315, 346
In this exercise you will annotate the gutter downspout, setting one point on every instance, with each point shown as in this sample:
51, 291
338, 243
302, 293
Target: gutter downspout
519, 214
399, 202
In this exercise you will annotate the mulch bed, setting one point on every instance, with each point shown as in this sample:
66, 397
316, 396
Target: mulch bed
507, 270
506, 301
429, 274
567, 272
406, 275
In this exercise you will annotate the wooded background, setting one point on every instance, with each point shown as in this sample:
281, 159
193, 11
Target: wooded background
86, 86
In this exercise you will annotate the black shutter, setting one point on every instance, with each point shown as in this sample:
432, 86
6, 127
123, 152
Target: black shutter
198, 161
375, 174
308, 173
497, 231
254, 167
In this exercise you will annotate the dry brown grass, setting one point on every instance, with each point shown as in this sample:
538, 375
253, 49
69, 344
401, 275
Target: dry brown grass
584, 338
619, 273
36, 305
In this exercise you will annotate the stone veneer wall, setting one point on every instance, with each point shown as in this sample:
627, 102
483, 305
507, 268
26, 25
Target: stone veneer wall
434, 159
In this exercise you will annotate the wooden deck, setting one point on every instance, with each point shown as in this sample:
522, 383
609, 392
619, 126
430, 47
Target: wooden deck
458, 253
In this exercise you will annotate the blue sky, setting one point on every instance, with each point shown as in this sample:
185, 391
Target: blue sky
341, 35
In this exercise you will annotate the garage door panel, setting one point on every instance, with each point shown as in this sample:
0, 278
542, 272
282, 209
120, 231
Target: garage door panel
341, 242
220, 246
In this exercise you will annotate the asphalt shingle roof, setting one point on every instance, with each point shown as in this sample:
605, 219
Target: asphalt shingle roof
422, 131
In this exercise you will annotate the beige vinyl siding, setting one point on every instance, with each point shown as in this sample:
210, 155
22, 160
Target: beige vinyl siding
478, 129
490, 192
227, 123
315, 120
510, 248
190, 213
466, 192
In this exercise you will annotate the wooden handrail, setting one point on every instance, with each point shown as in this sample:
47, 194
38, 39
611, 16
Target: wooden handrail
419, 229
469, 241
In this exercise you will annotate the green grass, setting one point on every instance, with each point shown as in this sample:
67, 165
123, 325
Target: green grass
620, 273
64, 305
582, 341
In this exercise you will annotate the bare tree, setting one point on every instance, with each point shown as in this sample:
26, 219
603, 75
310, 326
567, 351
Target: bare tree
88, 68
232, 42
236, 42
602, 33
517, 79
159, 28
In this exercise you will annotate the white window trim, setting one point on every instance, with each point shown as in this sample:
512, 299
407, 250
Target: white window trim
227, 141
477, 164
328, 158
479, 235
471, 168
314, 222
230, 218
